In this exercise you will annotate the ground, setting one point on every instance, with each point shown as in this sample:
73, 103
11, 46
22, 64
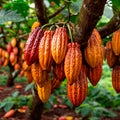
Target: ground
57, 111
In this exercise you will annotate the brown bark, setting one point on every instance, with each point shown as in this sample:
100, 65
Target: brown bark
40, 11
111, 26
37, 108
90, 13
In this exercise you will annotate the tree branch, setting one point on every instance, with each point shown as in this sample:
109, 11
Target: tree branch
111, 26
90, 13
40, 11
57, 11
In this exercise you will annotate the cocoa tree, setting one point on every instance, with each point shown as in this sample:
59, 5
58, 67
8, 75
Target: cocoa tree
89, 14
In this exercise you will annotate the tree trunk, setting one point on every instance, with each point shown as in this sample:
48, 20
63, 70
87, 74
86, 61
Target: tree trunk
10, 80
37, 107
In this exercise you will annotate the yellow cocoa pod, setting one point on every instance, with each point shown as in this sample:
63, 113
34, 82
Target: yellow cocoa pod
34, 25
45, 91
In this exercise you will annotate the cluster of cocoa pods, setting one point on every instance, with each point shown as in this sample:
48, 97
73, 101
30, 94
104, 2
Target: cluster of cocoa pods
113, 59
53, 57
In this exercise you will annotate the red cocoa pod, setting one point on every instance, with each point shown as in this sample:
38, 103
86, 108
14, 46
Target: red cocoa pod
110, 56
59, 71
9, 48
39, 76
55, 83
32, 45
78, 90
116, 42
45, 56
93, 51
73, 62
116, 78
94, 74
59, 44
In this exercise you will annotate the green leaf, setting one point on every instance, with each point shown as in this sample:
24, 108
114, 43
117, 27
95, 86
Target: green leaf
29, 86
86, 110
8, 106
15, 94
116, 4
8, 15
2, 104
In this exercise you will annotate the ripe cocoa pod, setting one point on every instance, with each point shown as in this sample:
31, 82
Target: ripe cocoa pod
29, 76
25, 66
116, 78
45, 56
97, 36
94, 74
55, 83
93, 52
5, 62
110, 56
9, 48
0, 52
13, 42
34, 25
12, 57
32, 45
73, 62
59, 71
17, 66
116, 42
78, 90
45, 91
39, 76
59, 44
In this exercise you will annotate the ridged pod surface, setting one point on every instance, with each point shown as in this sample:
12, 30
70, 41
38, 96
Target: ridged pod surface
116, 78
32, 45
59, 44
55, 83
59, 71
45, 91
116, 42
45, 56
78, 90
93, 52
39, 76
96, 34
73, 62
94, 74
29, 76
110, 56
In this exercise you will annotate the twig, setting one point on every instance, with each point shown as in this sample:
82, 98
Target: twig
57, 11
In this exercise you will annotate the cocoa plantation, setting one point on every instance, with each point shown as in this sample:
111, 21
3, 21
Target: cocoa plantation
60, 60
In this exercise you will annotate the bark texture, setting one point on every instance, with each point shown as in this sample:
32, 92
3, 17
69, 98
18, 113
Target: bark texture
90, 13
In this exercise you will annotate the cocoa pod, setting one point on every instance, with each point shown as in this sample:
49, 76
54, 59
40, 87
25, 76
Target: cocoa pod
93, 51
25, 66
94, 74
73, 62
13, 42
45, 56
9, 48
0, 52
78, 90
116, 78
34, 25
55, 83
29, 76
116, 42
39, 76
110, 56
59, 44
59, 71
45, 91
32, 45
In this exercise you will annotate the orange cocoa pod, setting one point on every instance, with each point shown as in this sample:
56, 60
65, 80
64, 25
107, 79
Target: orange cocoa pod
78, 90
0, 52
59, 44
21, 73
5, 62
59, 71
13, 42
15, 50
94, 74
93, 52
25, 66
9, 114
55, 83
96, 34
116, 78
34, 25
39, 76
110, 56
116, 42
12, 57
73, 62
29, 76
45, 56
44, 92
17, 66
32, 45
